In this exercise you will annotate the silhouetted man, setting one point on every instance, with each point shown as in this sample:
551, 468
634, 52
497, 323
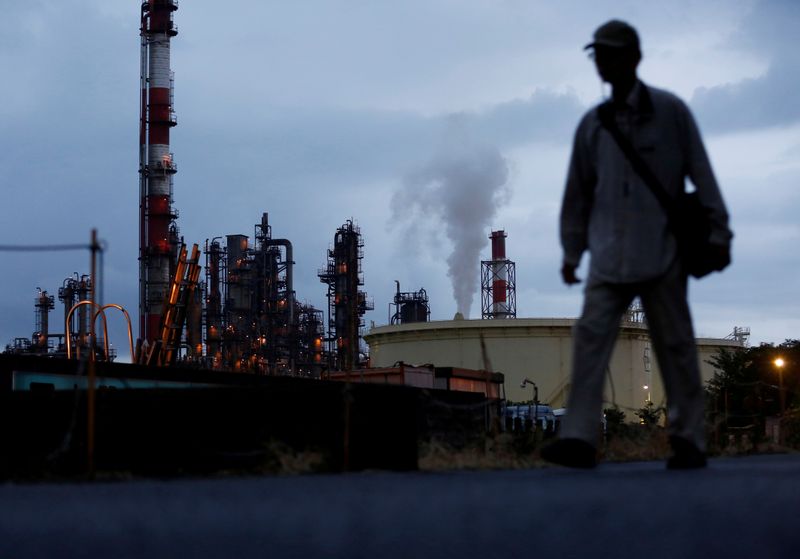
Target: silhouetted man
609, 211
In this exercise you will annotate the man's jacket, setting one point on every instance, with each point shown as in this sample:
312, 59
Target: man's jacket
608, 209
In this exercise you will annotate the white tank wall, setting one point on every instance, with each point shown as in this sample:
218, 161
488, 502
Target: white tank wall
537, 348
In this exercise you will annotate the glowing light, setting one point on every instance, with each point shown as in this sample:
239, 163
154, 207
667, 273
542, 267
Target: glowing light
779, 362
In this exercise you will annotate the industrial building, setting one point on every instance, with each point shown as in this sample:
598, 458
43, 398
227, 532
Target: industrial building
243, 315
74, 295
252, 319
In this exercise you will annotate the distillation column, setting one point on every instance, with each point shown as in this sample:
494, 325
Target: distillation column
214, 325
44, 304
156, 165
346, 302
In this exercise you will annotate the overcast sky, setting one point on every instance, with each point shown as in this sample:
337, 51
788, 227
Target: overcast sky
417, 119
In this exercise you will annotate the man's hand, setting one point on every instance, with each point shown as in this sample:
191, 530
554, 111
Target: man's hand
568, 274
720, 256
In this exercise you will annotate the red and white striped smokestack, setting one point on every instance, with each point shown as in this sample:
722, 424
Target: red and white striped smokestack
156, 166
498, 245
500, 281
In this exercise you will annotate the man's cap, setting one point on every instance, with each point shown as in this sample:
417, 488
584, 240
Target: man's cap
615, 33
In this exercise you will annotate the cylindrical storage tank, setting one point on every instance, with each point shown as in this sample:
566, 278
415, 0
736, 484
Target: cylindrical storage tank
539, 349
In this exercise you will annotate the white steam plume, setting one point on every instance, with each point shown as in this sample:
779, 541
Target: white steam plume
464, 185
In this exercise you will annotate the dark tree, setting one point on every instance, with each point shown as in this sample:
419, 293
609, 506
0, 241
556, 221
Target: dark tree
649, 414
748, 386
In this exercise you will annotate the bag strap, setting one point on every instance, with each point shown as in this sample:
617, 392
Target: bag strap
609, 122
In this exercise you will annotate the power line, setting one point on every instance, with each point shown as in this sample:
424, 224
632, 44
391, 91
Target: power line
42, 248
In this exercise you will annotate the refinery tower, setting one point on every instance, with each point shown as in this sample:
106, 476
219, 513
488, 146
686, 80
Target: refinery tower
157, 230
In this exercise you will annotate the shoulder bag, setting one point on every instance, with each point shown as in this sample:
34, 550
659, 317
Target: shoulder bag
687, 218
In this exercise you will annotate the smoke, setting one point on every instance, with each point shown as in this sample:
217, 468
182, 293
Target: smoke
463, 185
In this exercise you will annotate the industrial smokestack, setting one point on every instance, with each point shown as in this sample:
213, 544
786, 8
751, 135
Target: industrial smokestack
464, 185
156, 164
498, 281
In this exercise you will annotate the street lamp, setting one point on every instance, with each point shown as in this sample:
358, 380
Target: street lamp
525, 381
779, 363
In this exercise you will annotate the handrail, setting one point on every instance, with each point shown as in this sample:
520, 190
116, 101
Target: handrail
127, 318
67, 322
100, 312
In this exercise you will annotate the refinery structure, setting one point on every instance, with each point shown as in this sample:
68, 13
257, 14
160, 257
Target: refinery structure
229, 303
230, 306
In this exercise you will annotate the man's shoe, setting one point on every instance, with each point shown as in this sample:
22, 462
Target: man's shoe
685, 455
573, 453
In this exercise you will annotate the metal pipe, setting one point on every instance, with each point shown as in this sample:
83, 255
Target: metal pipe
69, 315
128, 320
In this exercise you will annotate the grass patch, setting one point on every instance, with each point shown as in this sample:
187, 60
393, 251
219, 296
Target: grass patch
498, 452
628, 443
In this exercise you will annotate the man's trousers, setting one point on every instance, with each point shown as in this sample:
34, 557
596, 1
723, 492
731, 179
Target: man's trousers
666, 309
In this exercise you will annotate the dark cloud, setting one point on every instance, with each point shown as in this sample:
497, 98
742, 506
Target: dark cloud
769, 100
753, 103
545, 116
308, 145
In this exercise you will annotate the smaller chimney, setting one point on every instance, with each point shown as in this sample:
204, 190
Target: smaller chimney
498, 281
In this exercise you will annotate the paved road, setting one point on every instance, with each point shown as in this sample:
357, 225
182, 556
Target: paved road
742, 507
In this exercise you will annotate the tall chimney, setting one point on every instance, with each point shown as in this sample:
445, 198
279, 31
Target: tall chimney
156, 164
